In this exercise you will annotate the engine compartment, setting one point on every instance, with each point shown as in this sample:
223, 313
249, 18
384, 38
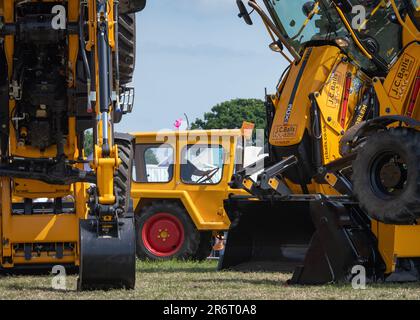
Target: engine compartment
39, 78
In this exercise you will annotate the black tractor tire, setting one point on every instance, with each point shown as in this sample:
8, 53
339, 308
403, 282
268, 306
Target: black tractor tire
131, 6
122, 178
205, 246
4, 102
127, 47
384, 203
147, 250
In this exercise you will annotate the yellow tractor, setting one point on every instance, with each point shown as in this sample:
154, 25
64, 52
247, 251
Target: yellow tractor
64, 69
341, 185
180, 179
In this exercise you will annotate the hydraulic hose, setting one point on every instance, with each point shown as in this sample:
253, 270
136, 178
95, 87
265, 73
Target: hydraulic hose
84, 56
116, 55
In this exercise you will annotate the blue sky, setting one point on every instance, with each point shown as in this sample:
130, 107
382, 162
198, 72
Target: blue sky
193, 54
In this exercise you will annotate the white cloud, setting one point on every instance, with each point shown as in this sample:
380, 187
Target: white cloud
209, 5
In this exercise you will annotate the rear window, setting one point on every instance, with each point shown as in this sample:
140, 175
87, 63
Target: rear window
153, 163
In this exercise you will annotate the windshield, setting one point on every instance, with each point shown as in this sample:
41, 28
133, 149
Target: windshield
414, 9
376, 26
302, 21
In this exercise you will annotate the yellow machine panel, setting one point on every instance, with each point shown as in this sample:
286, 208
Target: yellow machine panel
292, 107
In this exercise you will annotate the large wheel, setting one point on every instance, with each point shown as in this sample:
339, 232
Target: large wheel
122, 178
126, 53
386, 176
205, 246
4, 102
165, 231
127, 47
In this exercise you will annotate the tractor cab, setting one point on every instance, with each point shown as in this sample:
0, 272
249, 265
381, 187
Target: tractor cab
369, 32
180, 180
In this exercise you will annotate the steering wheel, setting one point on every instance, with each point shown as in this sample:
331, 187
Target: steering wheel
208, 176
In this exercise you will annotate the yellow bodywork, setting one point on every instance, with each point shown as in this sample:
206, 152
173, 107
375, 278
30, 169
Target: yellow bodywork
322, 72
45, 228
54, 228
324, 75
395, 241
204, 203
394, 93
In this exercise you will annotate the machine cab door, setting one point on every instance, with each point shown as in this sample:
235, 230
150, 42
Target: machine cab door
206, 163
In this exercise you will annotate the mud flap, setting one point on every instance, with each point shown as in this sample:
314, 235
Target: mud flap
107, 262
266, 235
343, 239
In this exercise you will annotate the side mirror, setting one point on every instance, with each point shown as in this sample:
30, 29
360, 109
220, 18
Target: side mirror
276, 46
243, 12
131, 6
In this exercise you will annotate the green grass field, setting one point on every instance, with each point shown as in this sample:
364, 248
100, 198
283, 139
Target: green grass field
193, 280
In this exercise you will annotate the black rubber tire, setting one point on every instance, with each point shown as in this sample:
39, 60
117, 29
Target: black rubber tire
130, 6
403, 208
205, 246
127, 46
191, 234
4, 100
122, 179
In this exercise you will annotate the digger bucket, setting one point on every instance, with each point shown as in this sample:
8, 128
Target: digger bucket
343, 240
266, 235
107, 262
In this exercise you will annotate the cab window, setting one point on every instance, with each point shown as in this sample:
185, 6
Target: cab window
153, 163
202, 164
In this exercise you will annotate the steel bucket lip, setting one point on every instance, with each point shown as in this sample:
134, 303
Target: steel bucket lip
264, 237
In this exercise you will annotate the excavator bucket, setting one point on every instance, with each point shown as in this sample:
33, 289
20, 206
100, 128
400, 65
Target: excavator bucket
343, 240
267, 235
107, 262
320, 239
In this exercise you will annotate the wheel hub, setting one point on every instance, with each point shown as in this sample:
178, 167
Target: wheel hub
389, 174
163, 234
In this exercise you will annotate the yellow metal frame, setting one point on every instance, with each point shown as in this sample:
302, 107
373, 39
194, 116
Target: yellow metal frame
394, 92
53, 228
325, 79
395, 241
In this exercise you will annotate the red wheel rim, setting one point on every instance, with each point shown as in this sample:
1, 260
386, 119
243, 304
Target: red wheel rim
163, 234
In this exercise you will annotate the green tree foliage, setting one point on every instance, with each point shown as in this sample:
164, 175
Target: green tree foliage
231, 114
150, 157
88, 145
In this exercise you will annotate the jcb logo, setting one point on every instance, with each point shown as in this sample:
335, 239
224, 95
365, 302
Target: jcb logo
59, 20
401, 82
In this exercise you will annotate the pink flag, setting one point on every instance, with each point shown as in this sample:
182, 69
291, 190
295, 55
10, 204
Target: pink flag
178, 123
